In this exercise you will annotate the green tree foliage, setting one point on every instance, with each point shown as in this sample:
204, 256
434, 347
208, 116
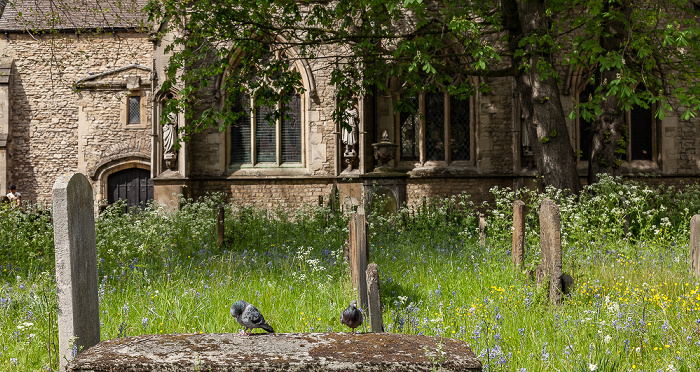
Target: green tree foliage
437, 45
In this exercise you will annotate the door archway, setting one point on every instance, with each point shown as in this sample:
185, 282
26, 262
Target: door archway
133, 185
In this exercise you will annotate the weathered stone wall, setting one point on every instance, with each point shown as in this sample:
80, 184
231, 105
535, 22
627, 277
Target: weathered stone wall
477, 188
495, 128
267, 193
45, 109
680, 146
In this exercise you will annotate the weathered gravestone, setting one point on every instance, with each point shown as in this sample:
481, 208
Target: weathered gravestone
550, 250
224, 352
76, 265
359, 254
374, 302
518, 248
695, 244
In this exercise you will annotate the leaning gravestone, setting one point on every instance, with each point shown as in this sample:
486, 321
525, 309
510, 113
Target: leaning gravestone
76, 265
359, 254
550, 248
374, 301
518, 248
695, 244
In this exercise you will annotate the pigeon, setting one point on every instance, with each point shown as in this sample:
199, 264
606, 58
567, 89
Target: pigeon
249, 317
352, 316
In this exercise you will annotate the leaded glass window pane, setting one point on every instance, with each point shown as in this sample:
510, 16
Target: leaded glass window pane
240, 132
291, 131
265, 136
435, 126
134, 109
409, 133
460, 146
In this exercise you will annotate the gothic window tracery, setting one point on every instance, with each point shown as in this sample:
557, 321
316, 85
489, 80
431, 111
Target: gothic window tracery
260, 138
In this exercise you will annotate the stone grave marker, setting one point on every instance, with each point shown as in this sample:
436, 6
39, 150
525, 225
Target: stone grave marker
76, 266
374, 303
550, 247
695, 244
359, 254
518, 249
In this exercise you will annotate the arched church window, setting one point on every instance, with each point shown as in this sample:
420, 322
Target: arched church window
259, 138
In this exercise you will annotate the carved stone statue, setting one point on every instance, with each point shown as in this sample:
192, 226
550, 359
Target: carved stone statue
169, 133
349, 136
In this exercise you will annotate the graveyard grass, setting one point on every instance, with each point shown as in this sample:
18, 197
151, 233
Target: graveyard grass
635, 305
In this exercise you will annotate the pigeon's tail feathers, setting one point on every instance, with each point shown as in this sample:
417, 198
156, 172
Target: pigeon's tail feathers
267, 327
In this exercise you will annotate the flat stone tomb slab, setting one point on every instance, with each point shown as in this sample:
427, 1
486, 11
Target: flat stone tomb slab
277, 352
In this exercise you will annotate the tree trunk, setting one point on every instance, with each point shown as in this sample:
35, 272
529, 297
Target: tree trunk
609, 145
540, 103
608, 137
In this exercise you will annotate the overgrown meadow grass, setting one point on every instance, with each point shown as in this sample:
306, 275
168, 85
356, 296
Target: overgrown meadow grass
635, 305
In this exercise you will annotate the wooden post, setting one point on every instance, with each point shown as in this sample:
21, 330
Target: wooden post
550, 246
695, 244
482, 230
359, 254
220, 226
518, 248
76, 266
374, 303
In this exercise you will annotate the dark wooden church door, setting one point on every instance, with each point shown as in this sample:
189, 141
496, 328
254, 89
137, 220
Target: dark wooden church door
134, 185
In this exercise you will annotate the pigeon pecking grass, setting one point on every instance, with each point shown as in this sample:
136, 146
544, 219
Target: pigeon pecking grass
352, 316
249, 317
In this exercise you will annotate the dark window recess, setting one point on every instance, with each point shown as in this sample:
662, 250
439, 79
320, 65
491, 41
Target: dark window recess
134, 185
291, 131
265, 136
135, 110
641, 133
435, 126
240, 133
460, 145
409, 132
585, 127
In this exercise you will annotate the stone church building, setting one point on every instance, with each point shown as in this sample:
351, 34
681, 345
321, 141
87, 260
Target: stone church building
87, 98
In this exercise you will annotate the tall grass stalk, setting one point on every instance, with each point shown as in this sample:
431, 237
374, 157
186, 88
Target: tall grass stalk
635, 305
